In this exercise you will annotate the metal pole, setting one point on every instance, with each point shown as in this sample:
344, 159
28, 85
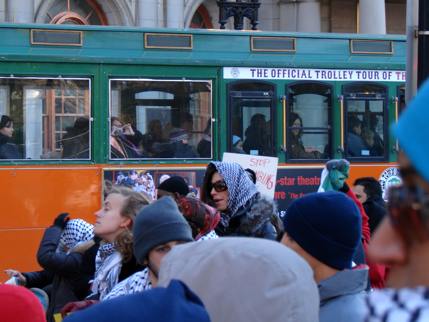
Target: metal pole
412, 49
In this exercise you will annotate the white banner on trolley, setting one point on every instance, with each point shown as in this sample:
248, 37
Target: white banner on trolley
314, 74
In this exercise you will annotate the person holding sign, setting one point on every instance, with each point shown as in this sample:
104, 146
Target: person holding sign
228, 188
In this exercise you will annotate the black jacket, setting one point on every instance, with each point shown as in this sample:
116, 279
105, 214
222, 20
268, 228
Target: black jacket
376, 210
69, 274
257, 218
8, 150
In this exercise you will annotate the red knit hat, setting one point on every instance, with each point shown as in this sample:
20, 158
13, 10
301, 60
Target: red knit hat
19, 304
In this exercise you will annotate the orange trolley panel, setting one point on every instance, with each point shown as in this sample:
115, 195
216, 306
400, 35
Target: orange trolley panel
368, 170
31, 199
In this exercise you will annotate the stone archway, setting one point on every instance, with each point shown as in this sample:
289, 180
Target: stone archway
210, 12
109, 12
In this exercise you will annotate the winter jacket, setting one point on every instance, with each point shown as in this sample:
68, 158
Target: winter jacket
8, 150
176, 303
182, 150
248, 214
257, 139
128, 148
257, 218
355, 146
245, 280
377, 272
76, 144
297, 150
342, 296
375, 208
69, 273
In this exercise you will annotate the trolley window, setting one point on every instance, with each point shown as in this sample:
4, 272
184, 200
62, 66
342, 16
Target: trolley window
365, 121
251, 107
160, 119
308, 115
45, 118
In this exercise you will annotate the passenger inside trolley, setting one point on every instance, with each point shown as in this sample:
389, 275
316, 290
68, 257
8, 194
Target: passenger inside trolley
257, 136
377, 149
120, 143
296, 147
204, 147
76, 141
356, 146
8, 150
154, 138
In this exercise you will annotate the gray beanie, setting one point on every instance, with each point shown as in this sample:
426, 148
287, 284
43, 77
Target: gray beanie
156, 224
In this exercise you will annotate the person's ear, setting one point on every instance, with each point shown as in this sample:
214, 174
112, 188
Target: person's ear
126, 222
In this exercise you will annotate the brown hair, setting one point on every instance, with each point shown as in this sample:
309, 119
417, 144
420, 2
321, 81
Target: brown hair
206, 188
134, 202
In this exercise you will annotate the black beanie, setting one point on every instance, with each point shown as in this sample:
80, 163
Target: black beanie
156, 224
326, 225
175, 184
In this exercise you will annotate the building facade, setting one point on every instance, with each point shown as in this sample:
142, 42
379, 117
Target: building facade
343, 16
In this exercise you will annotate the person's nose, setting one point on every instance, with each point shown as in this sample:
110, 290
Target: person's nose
213, 192
98, 213
387, 246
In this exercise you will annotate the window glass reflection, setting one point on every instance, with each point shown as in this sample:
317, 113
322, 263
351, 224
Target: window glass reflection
160, 119
308, 119
365, 125
50, 118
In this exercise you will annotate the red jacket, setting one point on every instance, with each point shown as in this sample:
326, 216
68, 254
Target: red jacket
377, 272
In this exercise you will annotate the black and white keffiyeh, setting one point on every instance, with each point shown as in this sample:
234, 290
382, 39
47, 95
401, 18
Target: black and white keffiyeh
75, 232
401, 305
211, 235
104, 251
108, 264
136, 283
240, 188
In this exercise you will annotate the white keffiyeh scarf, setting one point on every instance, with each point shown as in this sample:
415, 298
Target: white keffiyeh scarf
136, 283
75, 232
402, 305
108, 264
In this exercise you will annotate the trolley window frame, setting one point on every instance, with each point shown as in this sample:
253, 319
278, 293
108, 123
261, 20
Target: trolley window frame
318, 130
252, 94
345, 90
46, 76
157, 79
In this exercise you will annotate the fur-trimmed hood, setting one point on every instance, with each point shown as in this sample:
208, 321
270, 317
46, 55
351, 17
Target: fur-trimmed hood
257, 218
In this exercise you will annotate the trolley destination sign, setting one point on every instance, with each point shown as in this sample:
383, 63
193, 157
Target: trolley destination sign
314, 74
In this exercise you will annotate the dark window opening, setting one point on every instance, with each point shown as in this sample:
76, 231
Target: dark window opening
251, 107
308, 121
365, 121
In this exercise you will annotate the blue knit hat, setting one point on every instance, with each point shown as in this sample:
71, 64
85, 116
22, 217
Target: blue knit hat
412, 131
175, 303
326, 225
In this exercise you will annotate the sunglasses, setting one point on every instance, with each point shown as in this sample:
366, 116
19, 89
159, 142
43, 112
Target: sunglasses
408, 209
219, 186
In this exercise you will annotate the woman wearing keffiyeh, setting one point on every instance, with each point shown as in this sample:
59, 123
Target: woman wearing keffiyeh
114, 260
244, 212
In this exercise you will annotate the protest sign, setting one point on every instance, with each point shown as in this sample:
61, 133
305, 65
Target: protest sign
264, 167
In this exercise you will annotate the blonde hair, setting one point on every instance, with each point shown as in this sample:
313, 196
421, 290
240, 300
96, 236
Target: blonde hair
133, 203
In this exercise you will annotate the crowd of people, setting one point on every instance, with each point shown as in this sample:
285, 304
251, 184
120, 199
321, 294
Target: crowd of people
339, 254
127, 142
